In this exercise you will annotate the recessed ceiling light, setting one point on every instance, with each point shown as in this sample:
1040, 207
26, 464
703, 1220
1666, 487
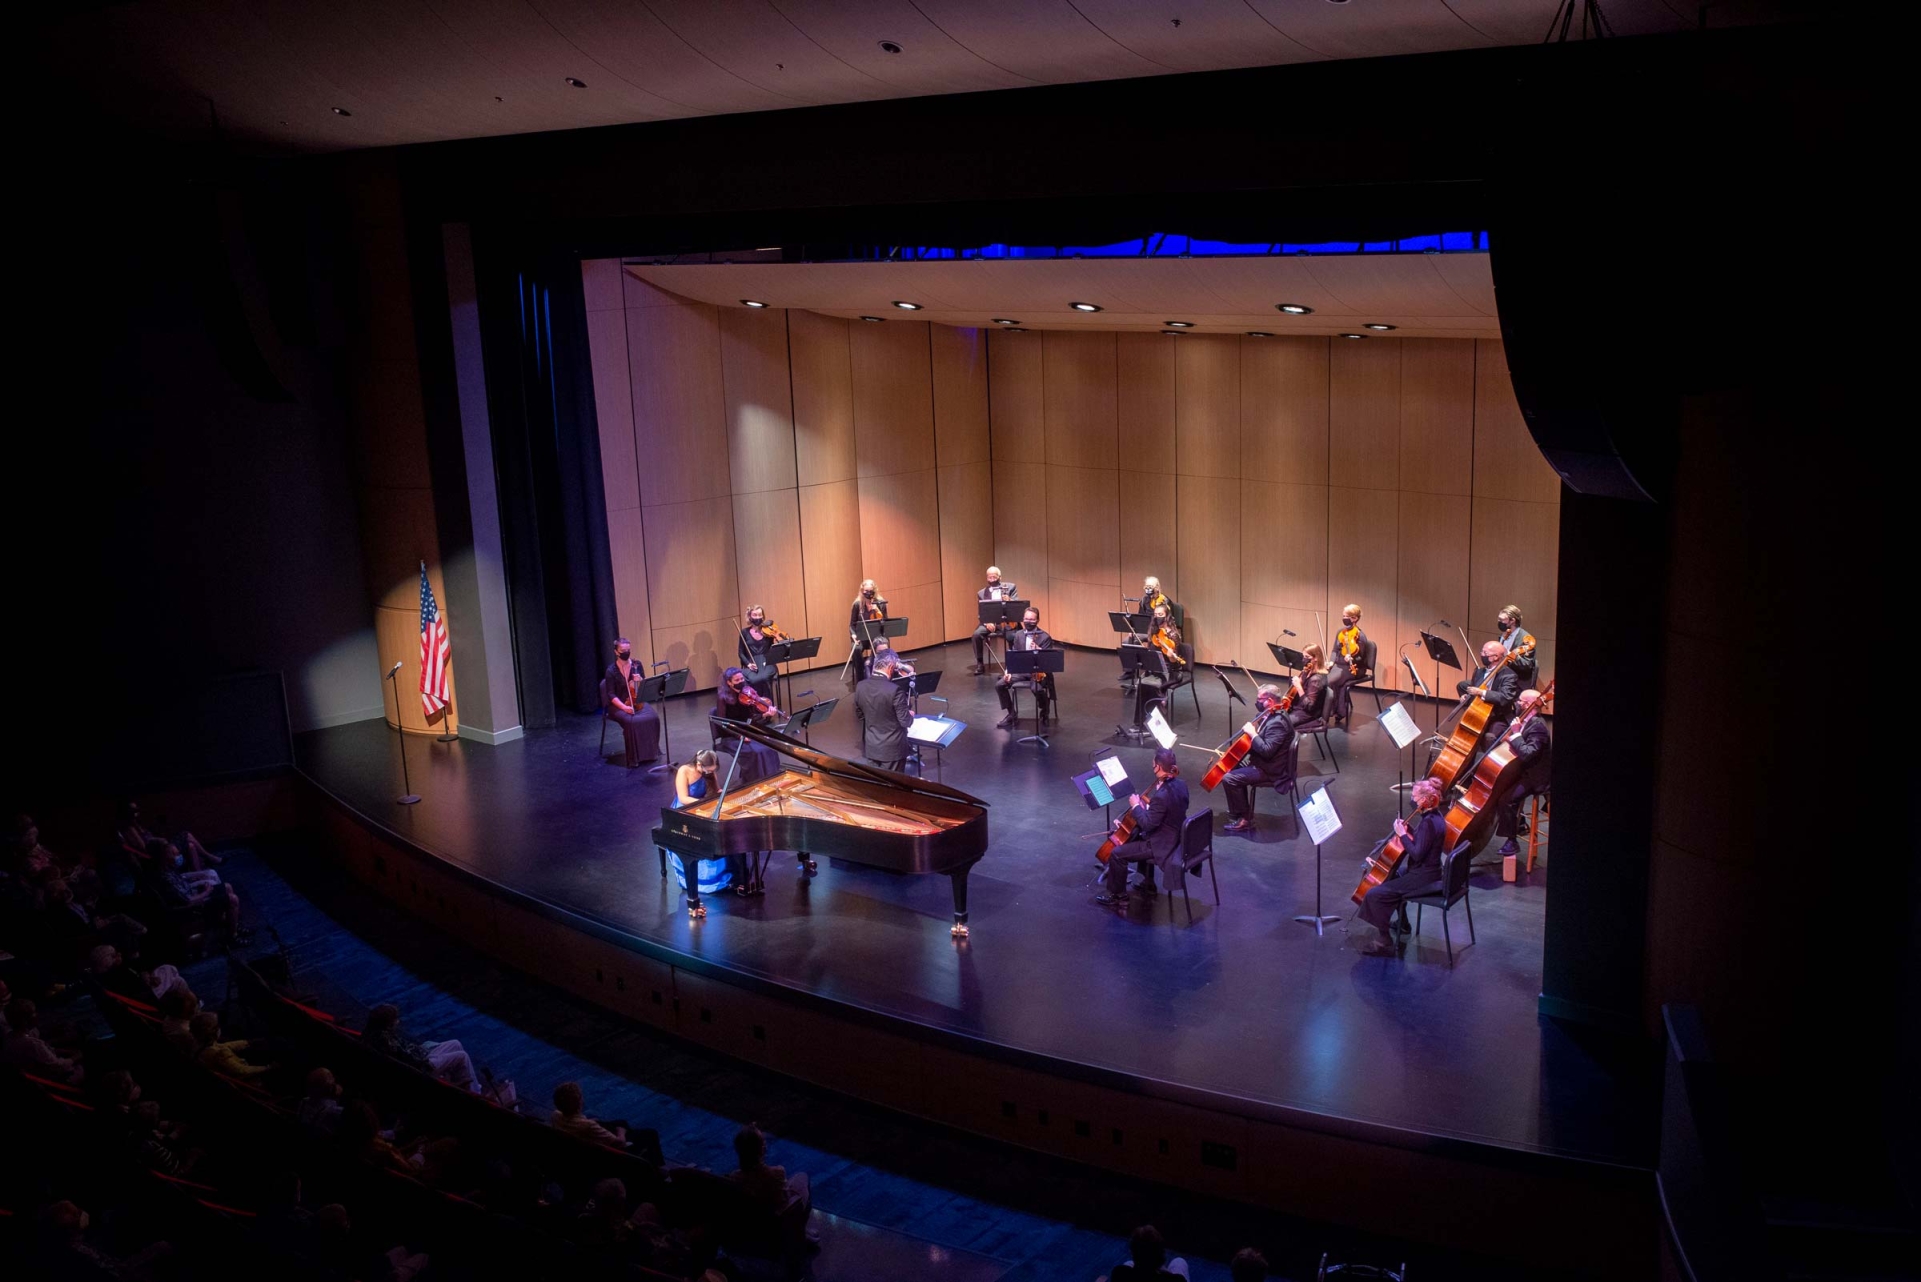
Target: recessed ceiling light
1258, 333
1002, 320
752, 302
342, 111
890, 46
1178, 324
907, 307
1293, 309
1353, 335
1174, 333
1085, 307
874, 319
1377, 325
578, 84
1014, 329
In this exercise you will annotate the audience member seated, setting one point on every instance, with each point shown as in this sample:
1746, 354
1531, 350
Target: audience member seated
1248, 1265
181, 887
117, 974
319, 1109
26, 1049
359, 1131
158, 1143
445, 1060
569, 1119
769, 1187
605, 1223
178, 1006
340, 1255
67, 1253
222, 1057
136, 836
1147, 1258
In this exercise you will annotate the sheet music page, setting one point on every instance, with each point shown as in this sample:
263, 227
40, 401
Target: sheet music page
1162, 732
1112, 770
1399, 725
1099, 789
927, 729
1319, 818
994, 594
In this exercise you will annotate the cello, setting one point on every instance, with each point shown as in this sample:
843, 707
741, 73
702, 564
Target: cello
1489, 783
1380, 866
1123, 833
1237, 747
1454, 755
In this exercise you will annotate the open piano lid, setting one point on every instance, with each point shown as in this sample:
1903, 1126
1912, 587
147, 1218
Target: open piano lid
827, 763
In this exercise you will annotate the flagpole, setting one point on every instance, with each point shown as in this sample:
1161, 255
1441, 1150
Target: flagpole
446, 735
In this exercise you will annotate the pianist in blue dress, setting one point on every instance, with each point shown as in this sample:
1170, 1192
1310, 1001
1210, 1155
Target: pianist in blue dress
695, 781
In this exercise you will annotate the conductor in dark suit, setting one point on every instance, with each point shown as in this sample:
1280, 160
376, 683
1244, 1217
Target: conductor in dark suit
1269, 761
1423, 836
1161, 814
1534, 749
881, 708
1499, 689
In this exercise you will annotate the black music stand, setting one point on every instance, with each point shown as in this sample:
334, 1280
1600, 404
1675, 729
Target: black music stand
948, 730
1132, 628
1007, 610
1138, 660
659, 689
791, 652
1031, 663
808, 716
1233, 697
871, 631
916, 685
1441, 650
1289, 659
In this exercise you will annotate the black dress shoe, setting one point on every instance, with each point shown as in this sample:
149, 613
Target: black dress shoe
1236, 825
1004, 722
1106, 900
1380, 948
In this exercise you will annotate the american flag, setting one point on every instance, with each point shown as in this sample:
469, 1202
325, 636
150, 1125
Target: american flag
433, 650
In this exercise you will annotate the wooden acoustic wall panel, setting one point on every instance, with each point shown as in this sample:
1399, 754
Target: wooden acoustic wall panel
1364, 414
680, 427
1078, 398
1145, 402
899, 538
1363, 563
1020, 526
1284, 544
1083, 552
893, 398
613, 407
920, 605
397, 533
1148, 530
823, 380
1207, 404
388, 420
767, 552
1015, 398
1514, 560
704, 649
690, 562
1433, 571
627, 542
966, 542
830, 563
1284, 410
1437, 415
397, 639
1507, 462
1209, 555
756, 393
961, 431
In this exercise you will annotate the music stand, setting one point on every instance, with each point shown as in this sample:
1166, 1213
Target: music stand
1441, 650
1233, 697
998, 614
793, 651
870, 631
1032, 663
659, 689
916, 685
936, 733
1289, 659
1137, 660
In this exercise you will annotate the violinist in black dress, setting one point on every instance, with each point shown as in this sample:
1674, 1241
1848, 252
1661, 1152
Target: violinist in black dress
755, 641
639, 723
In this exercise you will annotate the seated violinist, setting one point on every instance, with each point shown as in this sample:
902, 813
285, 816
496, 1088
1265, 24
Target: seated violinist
1152, 597
1515, 637
1422, 841
1310, 689
639, 723
756, 638
1029, 637
1165, 637
736, 701
1350, 653
1495, 682
994, 591
1269, 760
1533, 747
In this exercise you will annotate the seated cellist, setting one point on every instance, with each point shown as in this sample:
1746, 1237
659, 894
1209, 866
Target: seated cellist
1422, 841
1269, 761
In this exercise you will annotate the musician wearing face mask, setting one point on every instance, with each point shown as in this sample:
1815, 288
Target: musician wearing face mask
1159, 814
994, 591
1423, 837
1269, 760
1515, 637
1152, 597
869, 607
639, 723
735, 701
1533, 746
1350, 653
755, 641
1028, 637
1310, 689
881, 708
1497, 687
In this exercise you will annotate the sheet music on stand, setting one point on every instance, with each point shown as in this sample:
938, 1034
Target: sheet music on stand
1319, 817
1162, 732
1399, 725
1106, 783
938, 732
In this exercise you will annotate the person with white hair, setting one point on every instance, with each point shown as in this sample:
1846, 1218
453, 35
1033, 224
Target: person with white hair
995, 590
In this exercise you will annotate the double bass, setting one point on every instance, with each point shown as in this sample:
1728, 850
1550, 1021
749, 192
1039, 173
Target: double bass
1237, 748
1489, 784
1460, 745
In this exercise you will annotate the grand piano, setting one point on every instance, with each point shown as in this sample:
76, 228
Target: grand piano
822, 805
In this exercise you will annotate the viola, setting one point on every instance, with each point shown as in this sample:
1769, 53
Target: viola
773, 633
1460, 745
1166, 645
1488, 784
1123, 833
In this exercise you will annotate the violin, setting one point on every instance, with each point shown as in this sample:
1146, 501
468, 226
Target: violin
1235, 752
876, 609
773, 633
762, 706
1166, 645
1467, 731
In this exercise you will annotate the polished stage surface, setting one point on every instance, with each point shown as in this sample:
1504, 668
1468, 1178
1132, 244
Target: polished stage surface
1244, 1002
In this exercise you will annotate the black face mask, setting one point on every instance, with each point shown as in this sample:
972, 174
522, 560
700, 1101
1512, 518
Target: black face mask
1030, 625
1504, 625
1347, 623
624, 655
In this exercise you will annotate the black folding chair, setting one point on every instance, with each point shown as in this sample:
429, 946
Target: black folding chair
1454, 889
1197, 848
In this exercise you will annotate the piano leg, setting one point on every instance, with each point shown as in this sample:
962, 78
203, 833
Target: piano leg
960, 902
807, 866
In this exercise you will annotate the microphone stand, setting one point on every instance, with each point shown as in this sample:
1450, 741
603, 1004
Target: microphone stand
411, 798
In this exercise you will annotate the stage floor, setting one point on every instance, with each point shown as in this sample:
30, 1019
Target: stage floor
1244, 1002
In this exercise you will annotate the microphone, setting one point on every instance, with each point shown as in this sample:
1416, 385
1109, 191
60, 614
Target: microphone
1287, 632
1131, 598
392, 670
1446, 624
660, 663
